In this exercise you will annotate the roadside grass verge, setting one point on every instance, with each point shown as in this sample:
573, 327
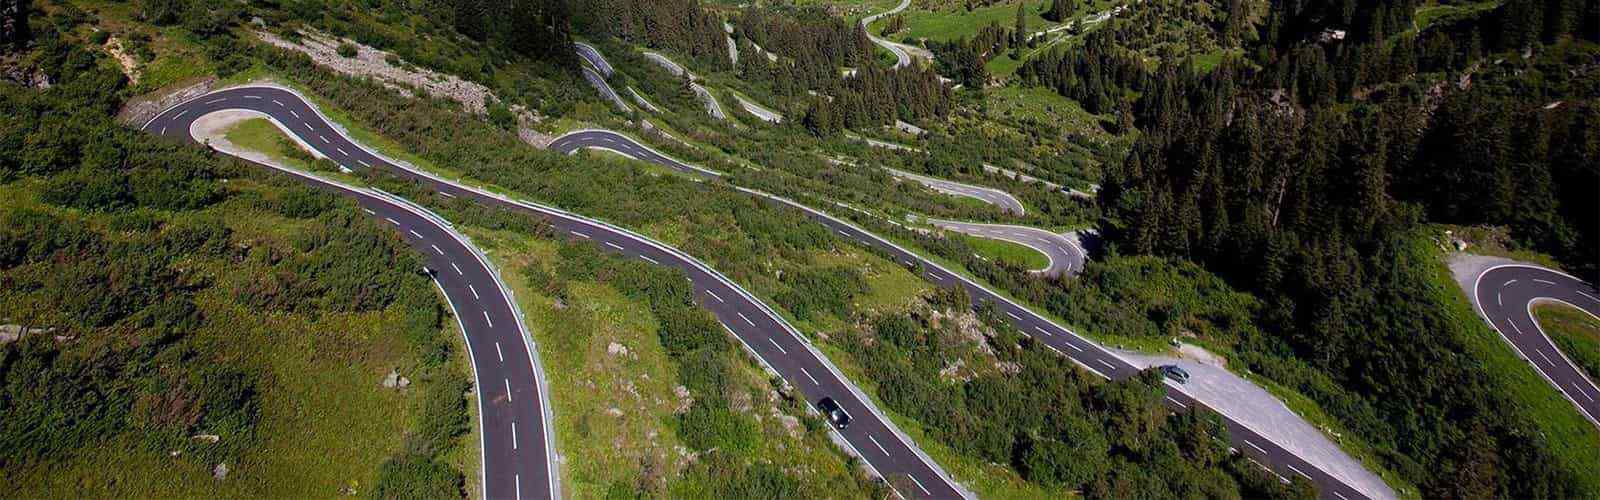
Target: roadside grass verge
1575, 332
1004, 251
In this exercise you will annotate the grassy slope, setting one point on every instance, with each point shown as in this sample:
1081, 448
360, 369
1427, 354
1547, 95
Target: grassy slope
326, 423
1575, 332
616, 412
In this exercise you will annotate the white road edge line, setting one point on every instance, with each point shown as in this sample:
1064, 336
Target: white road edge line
1176, 402
1257, 447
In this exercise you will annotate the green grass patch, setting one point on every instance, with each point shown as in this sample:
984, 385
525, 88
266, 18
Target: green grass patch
957, 22
1005, 251
1576, 332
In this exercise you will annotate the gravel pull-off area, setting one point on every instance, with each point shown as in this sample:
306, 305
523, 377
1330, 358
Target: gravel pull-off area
1263, 413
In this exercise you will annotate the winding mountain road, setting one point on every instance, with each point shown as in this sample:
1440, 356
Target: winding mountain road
901, 56
513, 404
1505, 295
1348, 481
1064, 254
508, 466
988, 195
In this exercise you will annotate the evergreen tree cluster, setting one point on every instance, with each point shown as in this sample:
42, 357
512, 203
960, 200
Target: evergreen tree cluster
682, 26
1098, 74
540, 29
875, 96
811, 36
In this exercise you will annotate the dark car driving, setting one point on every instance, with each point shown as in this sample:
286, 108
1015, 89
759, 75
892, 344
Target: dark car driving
835, 413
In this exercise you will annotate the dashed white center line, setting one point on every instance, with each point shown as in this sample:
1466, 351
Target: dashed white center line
808, 375
648, 259
179, 115
214, 101
1497, 300
580, 235
513, 435
1103, 362
296, 115
1013, 316
1508, 283
508, 390
499, 354
446, 195
458, 269
364, 163
474, 292
880, 445
256, 97
746, 319
369, 212
415, 233
1547, 282
1514, 326
1074, 347
775, 344
163, 130
324, 139
1341, 497
714, 295
1583, 392
919, 485
436, 249
341, 151
613, 245
1176, 402
309, 127
278, 102
1041, 330
518, 478
1297, 471
1253, 445
487, 320
1546, 358
391, 220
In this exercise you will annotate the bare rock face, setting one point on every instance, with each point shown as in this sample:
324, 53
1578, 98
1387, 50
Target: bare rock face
220, 472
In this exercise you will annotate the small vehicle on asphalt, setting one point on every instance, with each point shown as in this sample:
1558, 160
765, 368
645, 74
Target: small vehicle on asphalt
1176, 373
835, 413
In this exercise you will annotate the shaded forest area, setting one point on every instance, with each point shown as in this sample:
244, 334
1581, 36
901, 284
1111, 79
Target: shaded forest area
1305, 173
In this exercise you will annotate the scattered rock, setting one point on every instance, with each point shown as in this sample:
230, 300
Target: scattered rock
394, 381
616, 349
614, 411
13, 333
685, 400
209, 438
791, 424
220, 472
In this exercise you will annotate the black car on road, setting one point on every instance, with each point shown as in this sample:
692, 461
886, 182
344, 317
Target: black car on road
835, 413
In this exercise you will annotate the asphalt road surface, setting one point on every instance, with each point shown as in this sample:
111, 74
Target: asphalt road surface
902, 59
511, 402
594, 57
988, 195
1087, 354
1065, 256
1505, 296
600, 84
777, 344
